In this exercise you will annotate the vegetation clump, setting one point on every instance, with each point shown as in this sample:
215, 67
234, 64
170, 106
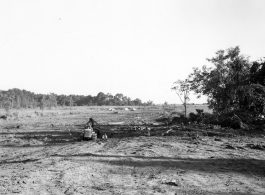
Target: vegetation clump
235, 88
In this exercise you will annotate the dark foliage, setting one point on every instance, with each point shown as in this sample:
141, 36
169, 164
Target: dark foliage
193, 117
233, 119
179, 120
233, 85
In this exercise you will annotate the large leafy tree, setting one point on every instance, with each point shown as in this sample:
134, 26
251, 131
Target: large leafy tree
232, 83
101, 98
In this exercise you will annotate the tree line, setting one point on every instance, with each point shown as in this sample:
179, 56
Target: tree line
233, 84
16, 98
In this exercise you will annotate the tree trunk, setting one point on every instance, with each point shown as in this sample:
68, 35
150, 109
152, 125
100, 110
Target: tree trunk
185, 108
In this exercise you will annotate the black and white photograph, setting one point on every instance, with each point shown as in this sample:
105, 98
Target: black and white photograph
132, 97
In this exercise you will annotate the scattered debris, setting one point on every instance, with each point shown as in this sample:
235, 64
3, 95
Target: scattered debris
172, 182
157, 124
217, 139
116, 123
4, 117
228, 146
148, 131
256, 146
167, 132
217, 127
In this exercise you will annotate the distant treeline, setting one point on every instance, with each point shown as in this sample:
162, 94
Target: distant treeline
16, 98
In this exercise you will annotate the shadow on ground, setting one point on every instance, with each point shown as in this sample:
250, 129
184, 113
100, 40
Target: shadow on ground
248, 167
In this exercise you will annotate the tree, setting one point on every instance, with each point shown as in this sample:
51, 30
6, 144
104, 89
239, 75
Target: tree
252, 99
118, 99
234, 83
71, 102
124, 100
5, 102
101, 98
18, 102
257, 72
52, 100
137, 102
149, 103
109, 100
61, 99
182, 88
43, 102
11, 96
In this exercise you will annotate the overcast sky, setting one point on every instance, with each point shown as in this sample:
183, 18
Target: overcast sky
137, 48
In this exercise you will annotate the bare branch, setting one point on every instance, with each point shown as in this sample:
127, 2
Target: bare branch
179, 97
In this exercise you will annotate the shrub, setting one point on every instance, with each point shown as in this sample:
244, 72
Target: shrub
193, 117
199, 112
208, 118
175, 120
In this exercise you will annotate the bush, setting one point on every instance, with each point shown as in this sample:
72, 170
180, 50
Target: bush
175, 120
208, 118
179, 120
233, 119
199, 112
193, 117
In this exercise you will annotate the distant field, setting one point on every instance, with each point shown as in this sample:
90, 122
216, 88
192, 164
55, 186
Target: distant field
88, 109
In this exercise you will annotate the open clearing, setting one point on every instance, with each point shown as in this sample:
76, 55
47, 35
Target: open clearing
40, 154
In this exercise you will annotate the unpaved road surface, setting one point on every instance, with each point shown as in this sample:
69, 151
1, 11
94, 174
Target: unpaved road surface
31, 164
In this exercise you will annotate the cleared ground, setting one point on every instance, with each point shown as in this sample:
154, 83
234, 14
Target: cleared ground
41, 154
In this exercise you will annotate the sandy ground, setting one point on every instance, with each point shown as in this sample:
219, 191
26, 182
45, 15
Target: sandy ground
40, 156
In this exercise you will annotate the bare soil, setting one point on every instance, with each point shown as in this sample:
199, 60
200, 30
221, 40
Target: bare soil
44, 155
